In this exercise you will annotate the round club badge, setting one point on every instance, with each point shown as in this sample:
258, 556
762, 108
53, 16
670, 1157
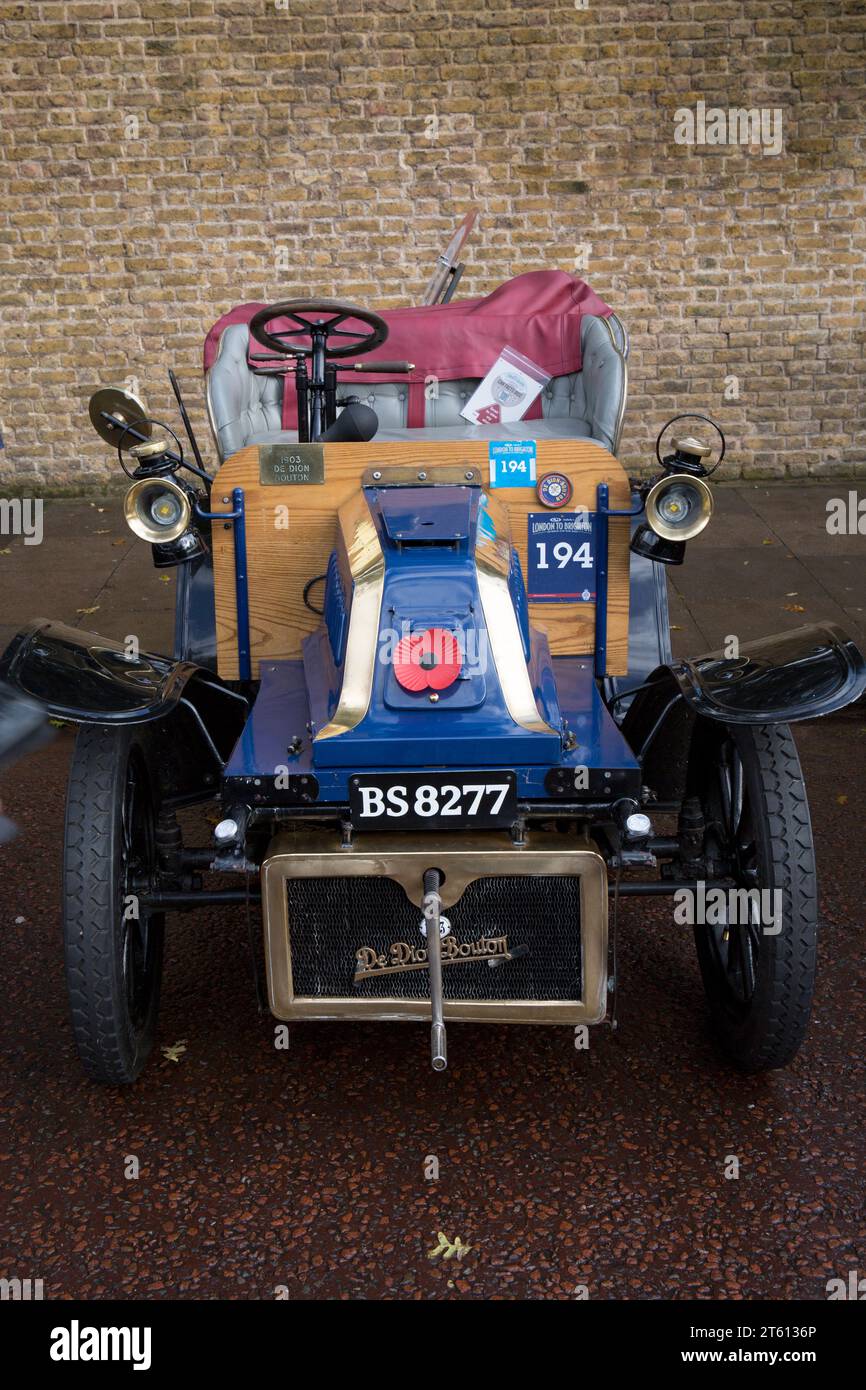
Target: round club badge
554, 490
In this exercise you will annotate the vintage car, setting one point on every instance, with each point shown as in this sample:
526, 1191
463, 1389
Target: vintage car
422, 678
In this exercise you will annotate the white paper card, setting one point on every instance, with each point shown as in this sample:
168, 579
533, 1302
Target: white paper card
507, 391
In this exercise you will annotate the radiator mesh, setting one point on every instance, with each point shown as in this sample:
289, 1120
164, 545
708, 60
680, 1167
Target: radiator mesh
330, 918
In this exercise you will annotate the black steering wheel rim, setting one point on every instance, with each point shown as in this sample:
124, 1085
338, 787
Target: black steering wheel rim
336, 313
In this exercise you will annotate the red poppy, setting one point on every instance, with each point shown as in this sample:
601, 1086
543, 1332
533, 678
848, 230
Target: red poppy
427, 660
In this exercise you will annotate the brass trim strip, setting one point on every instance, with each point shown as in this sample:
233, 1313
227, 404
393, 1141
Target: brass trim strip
462, 858
367, 566
541, 1012
410, 475
493, 564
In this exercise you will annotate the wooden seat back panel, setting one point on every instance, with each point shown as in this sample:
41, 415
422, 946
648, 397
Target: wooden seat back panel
291, 532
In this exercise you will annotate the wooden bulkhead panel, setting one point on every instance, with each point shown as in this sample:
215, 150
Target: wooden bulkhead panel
282, 558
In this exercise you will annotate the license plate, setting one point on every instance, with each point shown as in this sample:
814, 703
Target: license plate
436, 800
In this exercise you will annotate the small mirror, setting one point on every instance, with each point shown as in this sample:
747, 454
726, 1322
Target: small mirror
124, 409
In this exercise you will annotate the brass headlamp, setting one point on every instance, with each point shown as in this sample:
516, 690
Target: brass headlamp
158, 510
678, 505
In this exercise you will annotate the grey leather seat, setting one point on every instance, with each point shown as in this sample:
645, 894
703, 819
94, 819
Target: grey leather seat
589, 404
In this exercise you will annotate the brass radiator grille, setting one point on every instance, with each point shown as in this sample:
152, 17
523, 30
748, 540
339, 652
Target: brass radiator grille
337, 919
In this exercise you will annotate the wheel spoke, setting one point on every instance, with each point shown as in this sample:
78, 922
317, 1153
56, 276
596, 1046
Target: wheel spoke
740, 963
725, 789
736, 793
733, 960
753, 928
144, 938
127, 821
130, 967
747, 958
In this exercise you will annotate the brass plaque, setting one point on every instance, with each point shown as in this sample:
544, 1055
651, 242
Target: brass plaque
286, 465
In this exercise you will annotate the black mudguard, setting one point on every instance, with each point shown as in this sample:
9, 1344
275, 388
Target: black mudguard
794, 675
87, 679
790, 676
82, 678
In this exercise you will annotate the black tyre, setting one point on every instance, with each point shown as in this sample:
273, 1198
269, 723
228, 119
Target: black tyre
759, 982
113, 956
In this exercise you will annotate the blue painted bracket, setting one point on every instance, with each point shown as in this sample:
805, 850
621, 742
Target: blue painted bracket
237, 517
602, 495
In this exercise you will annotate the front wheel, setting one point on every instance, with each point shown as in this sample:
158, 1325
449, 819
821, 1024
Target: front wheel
758, 954
113, 944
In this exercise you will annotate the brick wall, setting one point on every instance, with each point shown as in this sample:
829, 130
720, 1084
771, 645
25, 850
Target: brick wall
163, 159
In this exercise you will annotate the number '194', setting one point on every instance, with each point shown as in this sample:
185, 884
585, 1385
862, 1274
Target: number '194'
564, 553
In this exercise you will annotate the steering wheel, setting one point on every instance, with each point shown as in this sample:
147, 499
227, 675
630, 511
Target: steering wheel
318, 318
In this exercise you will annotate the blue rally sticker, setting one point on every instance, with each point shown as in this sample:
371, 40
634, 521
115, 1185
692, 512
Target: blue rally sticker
486, 524
512, 462
561, 549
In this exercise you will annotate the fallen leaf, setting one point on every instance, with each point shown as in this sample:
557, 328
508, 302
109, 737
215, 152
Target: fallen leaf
675, 627
120, 542
447, 1248
842, 800
793, 608
767, 542
792, 594
165, 579
174, 1053
85, 611
7, 551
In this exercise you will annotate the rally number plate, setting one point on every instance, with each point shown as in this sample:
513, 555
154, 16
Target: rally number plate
435, 800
